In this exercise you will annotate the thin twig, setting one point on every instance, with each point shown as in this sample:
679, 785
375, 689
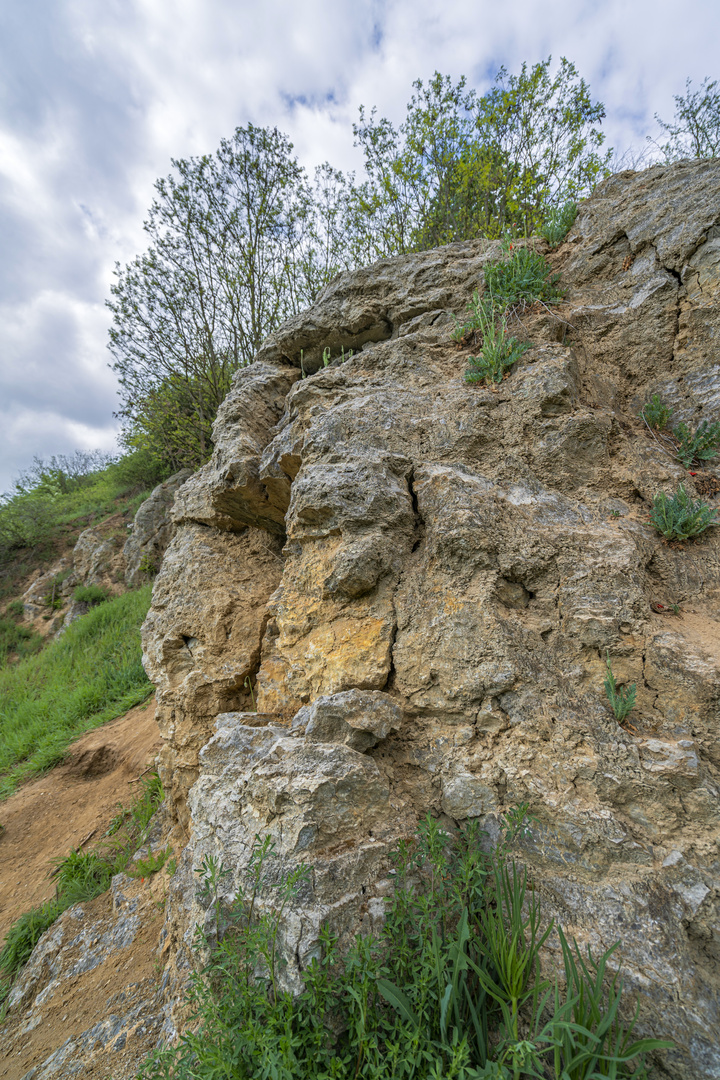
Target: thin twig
674, 456
149, 769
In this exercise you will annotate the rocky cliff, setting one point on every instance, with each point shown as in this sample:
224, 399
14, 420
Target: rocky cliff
417, 581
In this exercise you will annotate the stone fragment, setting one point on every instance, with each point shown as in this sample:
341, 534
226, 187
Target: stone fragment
359, 719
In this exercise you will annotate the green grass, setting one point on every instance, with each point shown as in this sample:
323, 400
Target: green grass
14, 638
90, 675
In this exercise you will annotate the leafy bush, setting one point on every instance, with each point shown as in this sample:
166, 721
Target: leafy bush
679, 517
655, 413
91, 674
558, 223
522, 278
622, 699
91, 594
83, 875
451, 988
699, 446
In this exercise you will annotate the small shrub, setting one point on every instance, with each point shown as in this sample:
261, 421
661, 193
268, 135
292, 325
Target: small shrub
699, 446
622, 700
521, 279
656, 414
558, 223
16, 609
91, 595
148, 566
679, 517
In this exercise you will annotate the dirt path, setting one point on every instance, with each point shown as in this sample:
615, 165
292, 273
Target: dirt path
69, 806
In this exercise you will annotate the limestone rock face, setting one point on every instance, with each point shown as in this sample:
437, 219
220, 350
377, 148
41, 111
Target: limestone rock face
151, 532
420, 579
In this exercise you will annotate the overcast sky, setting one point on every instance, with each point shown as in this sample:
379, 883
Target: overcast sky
96, 97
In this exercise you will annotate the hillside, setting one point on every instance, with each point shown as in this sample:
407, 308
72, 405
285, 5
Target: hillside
394, 593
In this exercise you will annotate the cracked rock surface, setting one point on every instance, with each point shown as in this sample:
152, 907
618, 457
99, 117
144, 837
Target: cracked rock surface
419, 580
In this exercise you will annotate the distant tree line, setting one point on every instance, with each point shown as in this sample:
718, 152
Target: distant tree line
243, 238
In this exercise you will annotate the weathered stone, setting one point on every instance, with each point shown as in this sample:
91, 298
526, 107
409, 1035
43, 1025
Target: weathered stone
201, 639
469, 556
151, 532
227, 492
358, 719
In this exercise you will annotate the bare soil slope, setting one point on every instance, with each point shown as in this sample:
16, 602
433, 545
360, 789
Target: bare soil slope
69, 807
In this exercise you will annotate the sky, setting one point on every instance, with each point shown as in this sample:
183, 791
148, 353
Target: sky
96, 98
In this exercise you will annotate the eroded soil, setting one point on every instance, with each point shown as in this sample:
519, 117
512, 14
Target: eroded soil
89, 1011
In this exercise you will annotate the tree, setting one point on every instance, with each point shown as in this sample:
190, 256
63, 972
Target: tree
696, 130
227, 233
461, 165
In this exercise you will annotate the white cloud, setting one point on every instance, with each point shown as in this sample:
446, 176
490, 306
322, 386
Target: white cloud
98, 97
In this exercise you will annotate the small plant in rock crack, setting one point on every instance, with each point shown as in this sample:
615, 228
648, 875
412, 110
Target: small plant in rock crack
521, 279
558, 223
499, 349
622, 699
655, 413
678, 517
700, 445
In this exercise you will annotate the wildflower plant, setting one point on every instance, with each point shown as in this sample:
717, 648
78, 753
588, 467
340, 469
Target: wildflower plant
558, 223
499, 349
512, 283
698, 446
655, 413
679, 517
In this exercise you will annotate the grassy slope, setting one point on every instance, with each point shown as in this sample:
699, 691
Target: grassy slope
92, 674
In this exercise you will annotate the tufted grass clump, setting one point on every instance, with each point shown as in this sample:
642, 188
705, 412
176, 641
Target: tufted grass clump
91, 595
679, 517
656, 413
622, 699
558, 223
521, 279
499, 349
451, 987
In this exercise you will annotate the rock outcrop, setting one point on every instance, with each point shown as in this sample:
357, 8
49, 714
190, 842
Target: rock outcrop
152, 531
417, 582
